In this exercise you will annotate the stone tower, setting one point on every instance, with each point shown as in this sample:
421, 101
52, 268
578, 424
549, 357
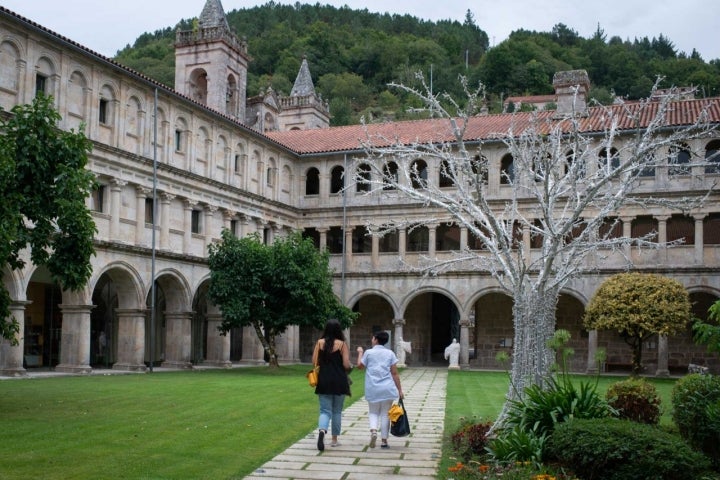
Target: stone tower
303, 109
211, 63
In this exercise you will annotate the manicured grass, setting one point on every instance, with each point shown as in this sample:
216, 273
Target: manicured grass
205, 424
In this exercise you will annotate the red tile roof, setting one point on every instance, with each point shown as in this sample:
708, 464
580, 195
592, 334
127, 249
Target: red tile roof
487, 127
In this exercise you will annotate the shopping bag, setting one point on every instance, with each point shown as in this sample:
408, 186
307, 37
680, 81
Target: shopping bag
312, 376
401, 426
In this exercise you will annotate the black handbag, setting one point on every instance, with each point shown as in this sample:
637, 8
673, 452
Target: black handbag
401, 426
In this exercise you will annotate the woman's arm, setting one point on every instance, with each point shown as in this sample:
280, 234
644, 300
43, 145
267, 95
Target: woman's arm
345, 352
359, 351
316, 352
396, 379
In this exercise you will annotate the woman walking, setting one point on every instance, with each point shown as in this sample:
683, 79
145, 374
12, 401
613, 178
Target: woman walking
332, 356
382, 385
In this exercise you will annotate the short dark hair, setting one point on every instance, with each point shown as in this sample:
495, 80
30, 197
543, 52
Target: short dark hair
382, 337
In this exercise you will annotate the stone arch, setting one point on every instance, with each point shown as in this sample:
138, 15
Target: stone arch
169, 339
76, 98
432, 320
491, 326
10, 80
198, 85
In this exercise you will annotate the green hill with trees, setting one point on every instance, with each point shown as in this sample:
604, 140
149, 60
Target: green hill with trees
353, 55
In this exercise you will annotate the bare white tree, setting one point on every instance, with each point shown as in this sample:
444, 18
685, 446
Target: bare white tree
571, 175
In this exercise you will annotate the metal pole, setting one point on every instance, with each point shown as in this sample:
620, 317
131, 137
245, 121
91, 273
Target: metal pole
342, 274
154, 220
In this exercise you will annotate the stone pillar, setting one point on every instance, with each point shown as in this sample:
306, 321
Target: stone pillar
526, 244
463, 238
398, 337
187, 234
627, 233
218, 345
662, 238
375, 256
699, 238
208, 230
141, 194
165, 199
131, 340
432, 239
348, 246
11, 356
592, 363
402, 242
662, 357
228, 217
75, 339
323, 238
115, 204
178, 340
465, 343
253, 352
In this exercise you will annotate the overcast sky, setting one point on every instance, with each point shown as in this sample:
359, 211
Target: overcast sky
106, 26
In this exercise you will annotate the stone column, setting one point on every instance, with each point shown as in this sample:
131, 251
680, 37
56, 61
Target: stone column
253, 352
178, 343
527, 244
228, 217
662, 238
75, 339
662, 357
187, 233
465, 343
131, 340
627, 233
375, 256
208, 230
699, 238
463, 238
115, 203
402, 242
323, 238
218, 346
165, 199
11, 356
592, 363
348, 246
432, 239
141, 194
398, 334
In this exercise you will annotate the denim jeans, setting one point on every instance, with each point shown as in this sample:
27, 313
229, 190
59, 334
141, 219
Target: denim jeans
331, 411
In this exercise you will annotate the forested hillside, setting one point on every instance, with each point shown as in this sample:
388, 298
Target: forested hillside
354, 54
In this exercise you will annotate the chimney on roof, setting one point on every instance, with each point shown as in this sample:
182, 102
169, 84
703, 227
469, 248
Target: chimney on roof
571, 89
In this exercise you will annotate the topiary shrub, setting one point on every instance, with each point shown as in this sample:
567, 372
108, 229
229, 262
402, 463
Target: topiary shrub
635, 399
613, 449
696, 406
470, 439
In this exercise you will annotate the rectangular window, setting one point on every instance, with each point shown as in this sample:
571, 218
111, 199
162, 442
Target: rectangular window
98, 199
178, 141
149, 210
40, 83
237, 163
234, 227
195, 221
103, 111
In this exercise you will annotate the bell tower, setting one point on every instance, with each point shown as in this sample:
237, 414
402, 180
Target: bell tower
211, 63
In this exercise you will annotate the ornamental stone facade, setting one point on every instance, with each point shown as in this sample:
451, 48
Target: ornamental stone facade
270, 165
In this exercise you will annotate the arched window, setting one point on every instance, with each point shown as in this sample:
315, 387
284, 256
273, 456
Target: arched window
479, 167
419, 174
363, 178
712, 157
507, 170
312, 181
447, 237
608, 159
390, 175
679, 160
337, 179
644, 225
447, 179
681, 227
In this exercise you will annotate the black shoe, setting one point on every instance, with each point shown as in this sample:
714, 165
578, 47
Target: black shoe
321, 440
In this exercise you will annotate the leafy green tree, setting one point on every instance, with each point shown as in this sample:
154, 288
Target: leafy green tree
44, 185
270, 287
638, 305
709, 333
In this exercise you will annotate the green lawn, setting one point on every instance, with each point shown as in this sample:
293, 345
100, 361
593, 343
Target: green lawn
204, 424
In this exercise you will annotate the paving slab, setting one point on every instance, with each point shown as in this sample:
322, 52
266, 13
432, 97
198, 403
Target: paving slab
415, 457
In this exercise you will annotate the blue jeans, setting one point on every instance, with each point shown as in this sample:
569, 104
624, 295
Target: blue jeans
331, 410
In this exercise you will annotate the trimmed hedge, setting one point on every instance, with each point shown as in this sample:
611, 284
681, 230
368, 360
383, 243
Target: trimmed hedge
612, 449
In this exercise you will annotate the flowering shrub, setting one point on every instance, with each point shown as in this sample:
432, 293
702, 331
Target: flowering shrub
515, 471
635, 399
470, 439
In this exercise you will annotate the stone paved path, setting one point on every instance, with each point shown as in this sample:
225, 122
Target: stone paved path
413, 457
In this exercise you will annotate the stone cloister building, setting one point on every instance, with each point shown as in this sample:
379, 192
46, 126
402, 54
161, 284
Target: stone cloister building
271, 164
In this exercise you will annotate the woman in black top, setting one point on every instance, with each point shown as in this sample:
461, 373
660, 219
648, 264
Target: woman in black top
332, 355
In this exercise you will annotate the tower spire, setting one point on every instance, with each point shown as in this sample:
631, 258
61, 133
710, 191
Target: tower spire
303, 83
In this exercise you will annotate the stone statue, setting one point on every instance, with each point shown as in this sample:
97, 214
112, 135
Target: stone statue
401, 349
452, 353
